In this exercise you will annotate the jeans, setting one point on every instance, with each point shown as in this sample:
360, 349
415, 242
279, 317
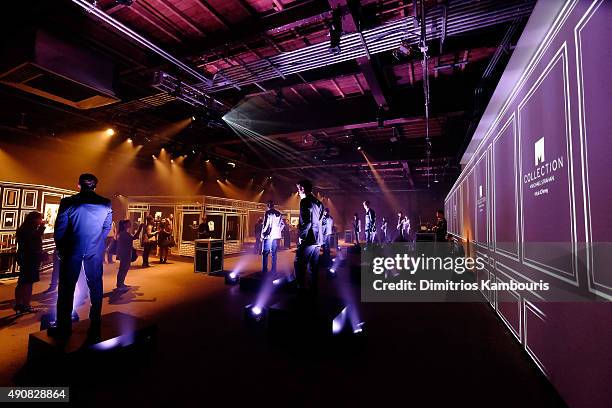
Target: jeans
269, 245
70, 269
369, 237
306, 266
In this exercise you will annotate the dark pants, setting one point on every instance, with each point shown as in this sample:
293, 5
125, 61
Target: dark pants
269, 245
306, 266
327, 249
146, 251
70, 270
287, 241
124, 267
356, 237
257, 248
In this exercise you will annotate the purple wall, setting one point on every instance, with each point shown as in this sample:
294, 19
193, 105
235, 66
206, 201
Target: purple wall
542, 175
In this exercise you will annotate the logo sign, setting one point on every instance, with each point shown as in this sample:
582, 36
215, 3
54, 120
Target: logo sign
539, 151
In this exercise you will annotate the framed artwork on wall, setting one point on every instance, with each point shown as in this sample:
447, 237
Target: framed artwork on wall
10, 198
50, 207
29, 199
8, 219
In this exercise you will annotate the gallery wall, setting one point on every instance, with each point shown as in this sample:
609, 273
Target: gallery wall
534, 196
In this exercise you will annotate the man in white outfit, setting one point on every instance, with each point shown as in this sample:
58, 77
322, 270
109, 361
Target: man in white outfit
271, 233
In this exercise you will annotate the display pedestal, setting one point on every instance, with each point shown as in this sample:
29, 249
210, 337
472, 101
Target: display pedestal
208, 257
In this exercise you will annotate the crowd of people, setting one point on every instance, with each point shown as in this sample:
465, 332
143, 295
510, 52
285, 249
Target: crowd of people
85, 236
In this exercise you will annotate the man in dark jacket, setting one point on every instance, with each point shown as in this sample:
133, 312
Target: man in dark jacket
310, 236
83, 222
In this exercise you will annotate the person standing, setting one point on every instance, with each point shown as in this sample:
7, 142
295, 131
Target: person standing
383, 230
356, 228
370, 223
124, 250
148, 241
310, 238
440, 227
401, 229
163, 240
328, 227
258, 229
83, 222
29, 257
271, 232
286, 233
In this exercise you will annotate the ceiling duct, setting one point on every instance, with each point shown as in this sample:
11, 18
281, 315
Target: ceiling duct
54, 69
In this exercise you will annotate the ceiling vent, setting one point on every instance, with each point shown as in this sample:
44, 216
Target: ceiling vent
54, 69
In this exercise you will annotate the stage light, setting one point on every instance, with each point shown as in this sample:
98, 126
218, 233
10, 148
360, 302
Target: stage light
254, 313
277, 281
110, 132
129, 140
231, 164
171, 160
193, 118
358, 147
232, 278
153, 156
332, 270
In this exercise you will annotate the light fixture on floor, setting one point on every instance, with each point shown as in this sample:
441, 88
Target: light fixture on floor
254, 313
232, 278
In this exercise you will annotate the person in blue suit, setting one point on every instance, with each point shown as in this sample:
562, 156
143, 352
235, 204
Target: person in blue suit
82, 224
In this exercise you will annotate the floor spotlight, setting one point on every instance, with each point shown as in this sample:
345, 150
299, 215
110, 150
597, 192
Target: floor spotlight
254, 313
232, 278
110, 132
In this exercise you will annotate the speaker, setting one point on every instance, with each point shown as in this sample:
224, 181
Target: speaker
208, 256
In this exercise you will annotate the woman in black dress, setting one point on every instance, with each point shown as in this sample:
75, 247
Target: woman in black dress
29, 257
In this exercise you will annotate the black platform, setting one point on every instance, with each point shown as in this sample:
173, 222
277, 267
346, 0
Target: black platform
118, 330
303, 317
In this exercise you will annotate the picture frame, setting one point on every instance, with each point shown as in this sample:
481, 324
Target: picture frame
10, 197
9, 219
50, 208
29, 199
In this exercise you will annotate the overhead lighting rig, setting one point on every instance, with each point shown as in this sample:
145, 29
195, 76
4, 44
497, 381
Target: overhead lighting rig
184, 92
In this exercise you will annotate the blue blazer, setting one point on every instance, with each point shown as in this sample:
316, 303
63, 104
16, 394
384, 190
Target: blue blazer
82, 224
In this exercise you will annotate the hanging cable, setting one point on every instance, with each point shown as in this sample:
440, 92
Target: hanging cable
425, 64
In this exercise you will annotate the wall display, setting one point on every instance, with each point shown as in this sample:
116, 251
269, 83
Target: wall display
17, 201
545, 168
50, 208
232, 228
190, 226
547, 131
9, 219
217, 220
10, 198
505, 193
29, 199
